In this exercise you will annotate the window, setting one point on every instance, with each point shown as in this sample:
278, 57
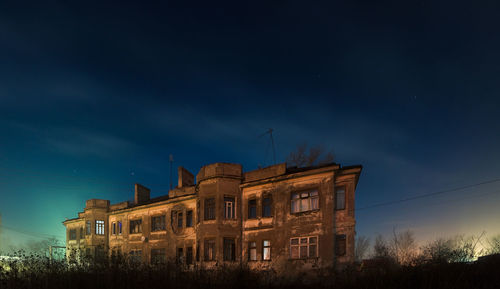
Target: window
88, 227
158, 256
179, 220
340, 245
305, 201
82, 236
252, 251
266, 250
252, 209
229, 249
72, 234
99, 227
304, 247
340, 198
180, 255
113, 228
209, 250
189, 218
210, 209
198, 212
267, 202
229, 208
157, 223
135, 256
119, 227
189, 255
135, 226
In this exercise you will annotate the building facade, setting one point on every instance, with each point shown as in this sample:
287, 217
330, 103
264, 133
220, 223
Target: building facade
272, 218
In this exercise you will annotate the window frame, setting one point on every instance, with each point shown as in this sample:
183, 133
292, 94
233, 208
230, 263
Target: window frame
189, 218
252, 207
159, 256
229, 254
264, 205
72, 234
209, 209
266, 247
206, 252
340, 238
88, 228
133, 223
252, 247
312, 194
337, 189
306, 246
229, 211
158, 226
113, 228
100, 227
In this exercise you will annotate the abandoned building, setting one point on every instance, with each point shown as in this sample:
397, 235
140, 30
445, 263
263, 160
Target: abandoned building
275, 217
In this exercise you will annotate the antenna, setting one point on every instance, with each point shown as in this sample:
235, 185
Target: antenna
171, 160
270, 132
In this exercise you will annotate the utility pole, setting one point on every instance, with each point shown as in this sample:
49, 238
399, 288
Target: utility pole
270, 132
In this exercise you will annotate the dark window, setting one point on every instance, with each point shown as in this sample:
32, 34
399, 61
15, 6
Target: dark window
229, 212
198, 251
82, 236
304, 247
340, 245
197, 211
189, 218
267, 202
158, 256
119, 227
340, 198
135, 256
157, 223
266, 250
99, 227
179, 220
252, 209
180, 255
135, 226
210, 209
113, 228
189, 255
252, 251
88, 227
72, 234
304, 201
209, 250
229, 249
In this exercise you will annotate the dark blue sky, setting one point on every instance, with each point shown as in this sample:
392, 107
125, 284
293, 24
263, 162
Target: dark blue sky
94, 97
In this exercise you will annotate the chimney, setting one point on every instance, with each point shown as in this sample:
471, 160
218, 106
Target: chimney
186, 178
141, 194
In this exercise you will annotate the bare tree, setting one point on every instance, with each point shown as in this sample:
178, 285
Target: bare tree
403, 247
316, 155
438, 251
380, 248
494, 245
361, 248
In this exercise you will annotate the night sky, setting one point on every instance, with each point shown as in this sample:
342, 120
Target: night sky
94, 97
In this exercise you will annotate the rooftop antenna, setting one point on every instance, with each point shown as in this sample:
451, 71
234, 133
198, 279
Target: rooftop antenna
171, 160
270, 132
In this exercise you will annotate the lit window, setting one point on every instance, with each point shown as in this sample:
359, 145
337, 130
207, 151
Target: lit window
266, 250
99, 227
229, 208
304, 201
304, 247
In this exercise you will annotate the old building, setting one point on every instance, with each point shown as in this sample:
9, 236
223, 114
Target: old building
275, 217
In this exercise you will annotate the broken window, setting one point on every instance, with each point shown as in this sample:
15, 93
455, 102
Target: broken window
266, 250
340, 198
266, 206
304, 201
157, 223
229, 249
304, 247
210, 209
340, 245
158, 256
252, 209
88, 227
99, 227
252, 251
189, 218
209, 250
136, 226
72, 234
189, 255
229, 212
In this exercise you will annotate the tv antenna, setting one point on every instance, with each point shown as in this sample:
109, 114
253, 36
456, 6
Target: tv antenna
270, 132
